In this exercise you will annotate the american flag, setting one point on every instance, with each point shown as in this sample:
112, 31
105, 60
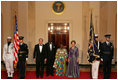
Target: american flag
16, 44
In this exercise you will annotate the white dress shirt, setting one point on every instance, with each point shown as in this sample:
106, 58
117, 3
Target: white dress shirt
51, 46
20, 43
40, 48
98, 44
107, 42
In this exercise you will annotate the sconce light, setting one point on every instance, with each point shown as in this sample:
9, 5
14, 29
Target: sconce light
51, 24
65, 27
51, 31
48, 28
65, 31
51, 27
58, 28
65, 24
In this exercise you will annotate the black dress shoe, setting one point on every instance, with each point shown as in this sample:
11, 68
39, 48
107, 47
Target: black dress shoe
41, 76
22, 77
52, 75
37, 76
8, 77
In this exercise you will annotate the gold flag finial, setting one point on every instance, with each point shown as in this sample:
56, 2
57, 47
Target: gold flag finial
15, 11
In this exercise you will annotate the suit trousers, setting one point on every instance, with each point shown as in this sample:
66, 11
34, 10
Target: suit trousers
106, 68
49, 66
22, 68
39, 67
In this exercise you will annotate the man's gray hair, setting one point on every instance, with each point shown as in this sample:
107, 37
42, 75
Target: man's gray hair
40, 39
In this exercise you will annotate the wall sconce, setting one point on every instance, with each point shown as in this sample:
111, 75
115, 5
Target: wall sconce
58, 28
51, 27
48, 28
51, 24
51, 31
65, 31
65, 27
65, 24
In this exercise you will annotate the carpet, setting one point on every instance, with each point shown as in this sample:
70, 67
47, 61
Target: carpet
32, 75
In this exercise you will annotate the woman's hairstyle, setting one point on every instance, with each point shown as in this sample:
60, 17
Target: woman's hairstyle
60, 45
73, 41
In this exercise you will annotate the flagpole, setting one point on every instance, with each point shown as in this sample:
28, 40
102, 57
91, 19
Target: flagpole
91, 64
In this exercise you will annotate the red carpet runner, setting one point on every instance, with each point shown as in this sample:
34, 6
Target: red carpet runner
32, 75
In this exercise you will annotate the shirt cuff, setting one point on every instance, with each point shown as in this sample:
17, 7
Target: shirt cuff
26, 59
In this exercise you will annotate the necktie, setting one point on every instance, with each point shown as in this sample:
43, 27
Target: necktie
40, 45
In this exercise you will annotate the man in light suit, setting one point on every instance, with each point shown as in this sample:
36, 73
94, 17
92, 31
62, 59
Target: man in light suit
8, 57
39, 57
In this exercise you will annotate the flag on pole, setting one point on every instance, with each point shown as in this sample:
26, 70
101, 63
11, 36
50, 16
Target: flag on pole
16, 43
91, 46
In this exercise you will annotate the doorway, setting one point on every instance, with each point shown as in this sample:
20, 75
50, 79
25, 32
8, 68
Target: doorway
59, 33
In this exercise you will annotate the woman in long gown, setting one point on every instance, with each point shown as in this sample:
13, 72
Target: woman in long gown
60, 61
73, 62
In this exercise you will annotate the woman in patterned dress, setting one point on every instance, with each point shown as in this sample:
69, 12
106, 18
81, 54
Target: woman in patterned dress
60, 61
73, 62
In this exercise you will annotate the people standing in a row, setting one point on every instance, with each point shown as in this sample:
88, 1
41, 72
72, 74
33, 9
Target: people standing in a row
103, 52
8, 57
107, 54
46, 53
22, 56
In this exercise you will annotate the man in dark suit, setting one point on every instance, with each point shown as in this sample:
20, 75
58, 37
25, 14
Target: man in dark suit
22, 56
107, 50
39, 56
50, 51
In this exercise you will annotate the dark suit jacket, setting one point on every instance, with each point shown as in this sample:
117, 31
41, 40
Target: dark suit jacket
50, 53
98, 51
37, 55
23, 52
107, 48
